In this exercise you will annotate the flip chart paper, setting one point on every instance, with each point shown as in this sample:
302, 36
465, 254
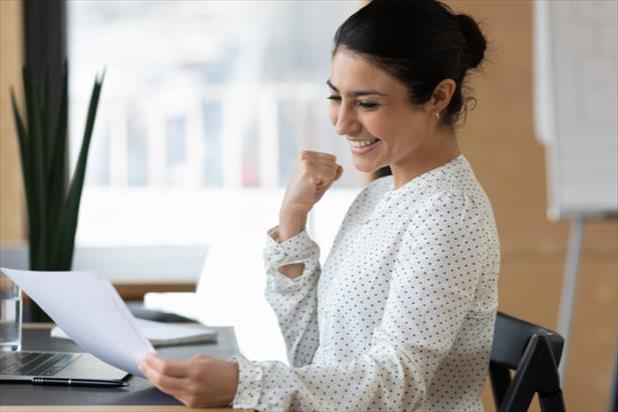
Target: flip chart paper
90, 311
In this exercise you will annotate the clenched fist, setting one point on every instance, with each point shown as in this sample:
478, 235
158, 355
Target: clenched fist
312, 176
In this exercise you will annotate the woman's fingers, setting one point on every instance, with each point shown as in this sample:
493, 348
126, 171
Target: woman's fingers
166, 366
324, 177
308, 154
172, 386
322, 172
321, 158
339, 172
168, 384
313, 175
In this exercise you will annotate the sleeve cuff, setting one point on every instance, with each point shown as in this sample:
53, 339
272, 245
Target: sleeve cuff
249, 383
297, 249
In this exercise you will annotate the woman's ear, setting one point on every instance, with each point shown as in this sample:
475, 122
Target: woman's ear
441, 96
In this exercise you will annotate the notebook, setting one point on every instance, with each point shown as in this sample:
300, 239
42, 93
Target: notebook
164, 334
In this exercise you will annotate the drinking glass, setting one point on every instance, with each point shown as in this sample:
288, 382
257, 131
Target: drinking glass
10, 314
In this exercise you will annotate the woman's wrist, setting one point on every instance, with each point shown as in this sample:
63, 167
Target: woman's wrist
291, 222
233, 387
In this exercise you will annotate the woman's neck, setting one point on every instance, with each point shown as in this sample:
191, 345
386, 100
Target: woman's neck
442, 149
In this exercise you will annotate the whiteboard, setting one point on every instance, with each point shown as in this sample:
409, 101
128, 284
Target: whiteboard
576, 104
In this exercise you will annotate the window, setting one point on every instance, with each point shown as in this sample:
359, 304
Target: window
203, 101
204, 109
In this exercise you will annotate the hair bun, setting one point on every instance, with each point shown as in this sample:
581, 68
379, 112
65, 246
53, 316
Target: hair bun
475, 41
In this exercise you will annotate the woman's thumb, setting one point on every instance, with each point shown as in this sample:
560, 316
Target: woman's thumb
339, 172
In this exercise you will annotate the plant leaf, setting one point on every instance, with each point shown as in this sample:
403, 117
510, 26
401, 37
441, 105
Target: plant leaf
22, 137
38, 225
46, 151
44, 116
70, 212
58, 168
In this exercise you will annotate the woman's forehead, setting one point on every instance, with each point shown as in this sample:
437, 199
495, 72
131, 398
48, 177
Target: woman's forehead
351, 71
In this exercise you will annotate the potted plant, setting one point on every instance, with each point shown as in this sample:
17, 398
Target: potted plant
52, 199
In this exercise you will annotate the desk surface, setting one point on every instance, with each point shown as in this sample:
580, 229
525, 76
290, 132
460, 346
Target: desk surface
139, 396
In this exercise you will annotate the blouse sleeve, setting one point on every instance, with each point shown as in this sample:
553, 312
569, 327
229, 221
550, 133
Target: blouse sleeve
294, 301
431, 291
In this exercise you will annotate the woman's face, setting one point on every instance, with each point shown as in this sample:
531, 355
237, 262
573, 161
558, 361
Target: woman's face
371, 109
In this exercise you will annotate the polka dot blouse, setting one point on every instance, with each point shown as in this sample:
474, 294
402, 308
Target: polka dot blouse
401, 316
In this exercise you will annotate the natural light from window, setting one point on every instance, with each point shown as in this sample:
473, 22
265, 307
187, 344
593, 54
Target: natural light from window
204, 109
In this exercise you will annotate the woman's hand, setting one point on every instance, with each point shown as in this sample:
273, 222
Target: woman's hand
201, 381
314, 173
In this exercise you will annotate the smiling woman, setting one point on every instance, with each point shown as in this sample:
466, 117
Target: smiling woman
401, 315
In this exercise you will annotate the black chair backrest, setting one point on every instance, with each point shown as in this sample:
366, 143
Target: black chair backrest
533, 353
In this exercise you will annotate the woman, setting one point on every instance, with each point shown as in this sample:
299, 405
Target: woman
401, 316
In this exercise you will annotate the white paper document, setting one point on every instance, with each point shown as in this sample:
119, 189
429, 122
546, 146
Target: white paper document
90, 311
163, 334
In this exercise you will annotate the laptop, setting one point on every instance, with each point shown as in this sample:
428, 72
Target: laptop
30, 366
25, 366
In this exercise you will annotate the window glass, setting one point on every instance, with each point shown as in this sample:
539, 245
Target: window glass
202, 101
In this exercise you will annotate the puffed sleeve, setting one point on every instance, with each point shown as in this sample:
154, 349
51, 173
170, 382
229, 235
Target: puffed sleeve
294, 301
432, 288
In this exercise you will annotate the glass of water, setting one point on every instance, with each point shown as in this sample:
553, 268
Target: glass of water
10, 314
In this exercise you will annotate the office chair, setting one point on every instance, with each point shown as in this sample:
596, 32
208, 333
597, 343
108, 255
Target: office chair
533, 353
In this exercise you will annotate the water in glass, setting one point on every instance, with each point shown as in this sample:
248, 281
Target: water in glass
10, 314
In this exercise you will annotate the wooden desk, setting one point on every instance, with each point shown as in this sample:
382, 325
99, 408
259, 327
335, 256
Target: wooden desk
109, 408
36, 337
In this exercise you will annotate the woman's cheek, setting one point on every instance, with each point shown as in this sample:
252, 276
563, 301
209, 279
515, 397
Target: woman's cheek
376, 125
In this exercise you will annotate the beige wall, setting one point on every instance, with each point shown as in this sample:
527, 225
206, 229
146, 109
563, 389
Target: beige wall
499, 142
12, 224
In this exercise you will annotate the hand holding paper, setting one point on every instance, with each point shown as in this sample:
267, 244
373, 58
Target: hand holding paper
90, 311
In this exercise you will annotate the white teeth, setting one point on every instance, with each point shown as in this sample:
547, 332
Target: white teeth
362, 143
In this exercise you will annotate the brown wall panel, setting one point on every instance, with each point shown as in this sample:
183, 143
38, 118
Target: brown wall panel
499, 141
12, 223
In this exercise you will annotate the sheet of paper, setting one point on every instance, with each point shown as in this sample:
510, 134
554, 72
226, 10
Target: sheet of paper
90, 311
163, 334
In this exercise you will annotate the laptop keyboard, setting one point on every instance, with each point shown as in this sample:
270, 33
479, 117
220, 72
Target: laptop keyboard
34, 363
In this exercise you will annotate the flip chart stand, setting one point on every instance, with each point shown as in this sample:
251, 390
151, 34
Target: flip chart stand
569, 292
569, 288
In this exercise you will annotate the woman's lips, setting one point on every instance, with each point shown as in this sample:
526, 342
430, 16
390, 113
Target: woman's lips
363, 149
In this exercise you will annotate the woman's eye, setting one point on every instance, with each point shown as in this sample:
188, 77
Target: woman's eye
367, 105
334, 97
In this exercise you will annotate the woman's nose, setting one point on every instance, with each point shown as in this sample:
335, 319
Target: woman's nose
346, 123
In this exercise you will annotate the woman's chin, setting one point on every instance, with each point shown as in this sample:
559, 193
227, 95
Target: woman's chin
364, 166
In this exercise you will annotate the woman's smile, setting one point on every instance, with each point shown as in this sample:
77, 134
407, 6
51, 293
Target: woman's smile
360, 147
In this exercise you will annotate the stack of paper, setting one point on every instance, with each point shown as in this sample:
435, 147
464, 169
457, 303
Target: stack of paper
164, 334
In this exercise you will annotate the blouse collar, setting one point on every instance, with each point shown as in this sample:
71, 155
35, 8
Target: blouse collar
427, 176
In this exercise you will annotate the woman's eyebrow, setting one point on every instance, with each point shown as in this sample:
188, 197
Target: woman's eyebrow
356, 93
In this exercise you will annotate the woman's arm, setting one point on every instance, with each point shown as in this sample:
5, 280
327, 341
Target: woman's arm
294, 300
292, 259
313, 175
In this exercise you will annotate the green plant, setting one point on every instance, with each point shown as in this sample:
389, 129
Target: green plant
52, 201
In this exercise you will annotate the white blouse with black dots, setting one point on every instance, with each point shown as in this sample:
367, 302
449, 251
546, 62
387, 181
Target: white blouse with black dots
401, 316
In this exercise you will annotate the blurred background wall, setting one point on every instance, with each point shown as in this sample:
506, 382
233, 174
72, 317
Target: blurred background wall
499, 142
12, 223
